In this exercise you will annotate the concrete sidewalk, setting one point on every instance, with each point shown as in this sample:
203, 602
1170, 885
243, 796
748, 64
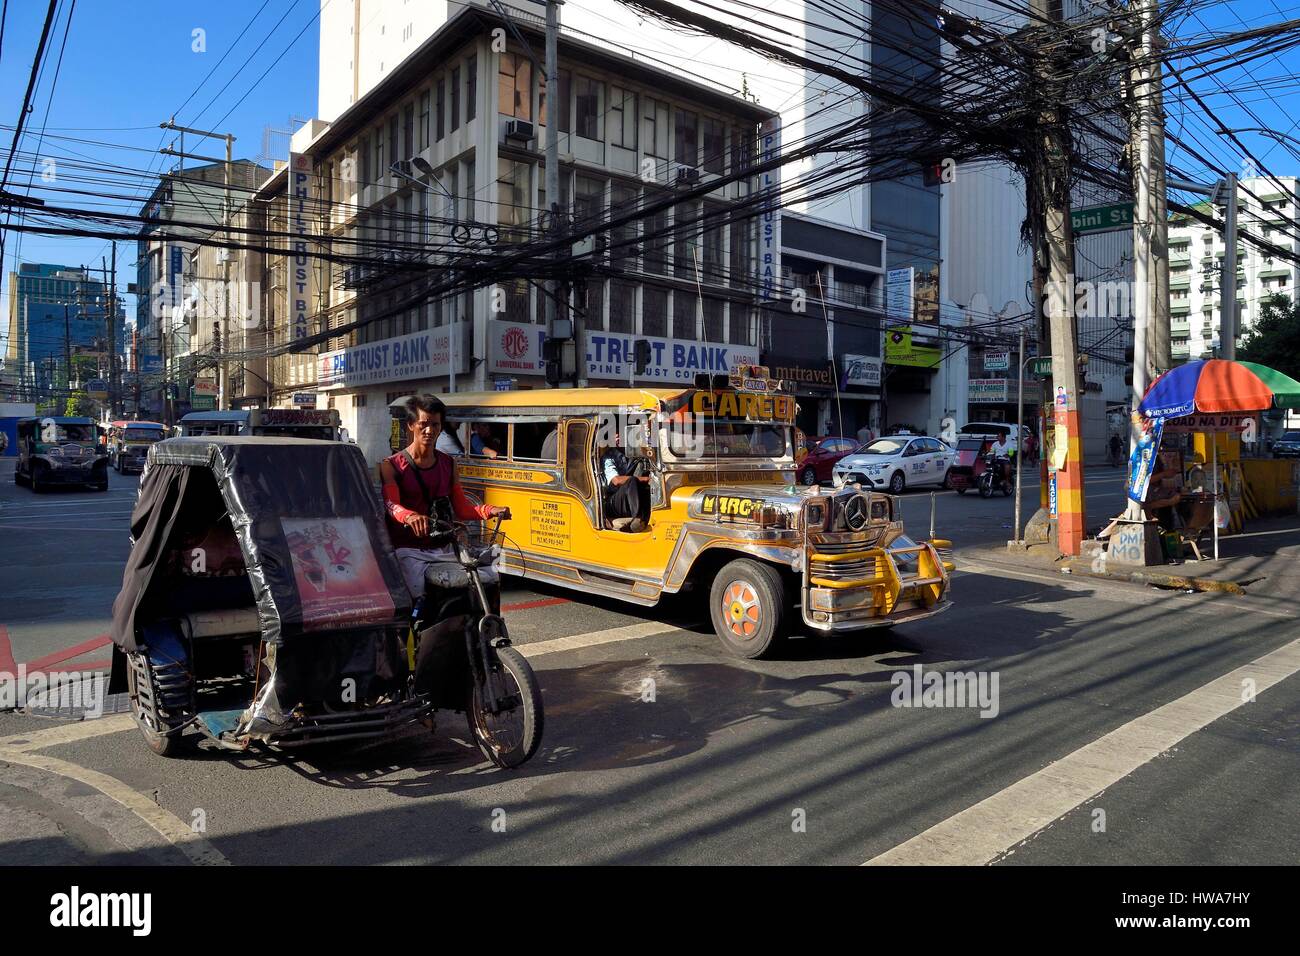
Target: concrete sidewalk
1264, 561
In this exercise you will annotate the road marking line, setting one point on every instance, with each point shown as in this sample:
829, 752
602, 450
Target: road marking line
596, 638
85, 647
169, 826
67, 733
980, 834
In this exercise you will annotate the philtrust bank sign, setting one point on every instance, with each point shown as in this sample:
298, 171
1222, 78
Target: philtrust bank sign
301, 206
769, 223
418, 355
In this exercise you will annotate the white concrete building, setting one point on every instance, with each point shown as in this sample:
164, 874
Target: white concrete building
1196, 252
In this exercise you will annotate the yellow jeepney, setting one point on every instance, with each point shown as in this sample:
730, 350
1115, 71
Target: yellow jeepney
726, 517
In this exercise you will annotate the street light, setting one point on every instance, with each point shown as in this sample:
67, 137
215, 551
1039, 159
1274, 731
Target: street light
1270, 133
426, 170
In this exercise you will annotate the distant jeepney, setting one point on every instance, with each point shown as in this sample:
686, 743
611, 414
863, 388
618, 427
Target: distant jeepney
726, 517
128, 444
316, 423
60, 451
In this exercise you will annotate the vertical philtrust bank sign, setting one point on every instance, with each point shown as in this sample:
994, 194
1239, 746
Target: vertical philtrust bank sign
302, 206
769, 222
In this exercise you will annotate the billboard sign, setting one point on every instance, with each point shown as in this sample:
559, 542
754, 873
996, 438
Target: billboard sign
424, 354
673, 361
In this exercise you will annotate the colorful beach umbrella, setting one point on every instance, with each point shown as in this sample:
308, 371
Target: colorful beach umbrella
1286, 390
1208, 386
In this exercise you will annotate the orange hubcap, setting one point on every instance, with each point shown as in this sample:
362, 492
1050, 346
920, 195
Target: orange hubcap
741, 609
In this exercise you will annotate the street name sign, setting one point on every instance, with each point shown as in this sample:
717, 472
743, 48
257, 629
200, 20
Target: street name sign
1102, 218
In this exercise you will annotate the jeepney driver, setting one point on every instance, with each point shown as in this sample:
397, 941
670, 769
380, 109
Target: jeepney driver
626, 489
414, 480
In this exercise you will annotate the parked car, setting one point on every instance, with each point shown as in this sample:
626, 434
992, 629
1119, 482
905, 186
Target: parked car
823, 453
1288, 446
897, 462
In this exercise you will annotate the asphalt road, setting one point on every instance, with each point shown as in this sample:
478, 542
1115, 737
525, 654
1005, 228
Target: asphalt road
1110, 697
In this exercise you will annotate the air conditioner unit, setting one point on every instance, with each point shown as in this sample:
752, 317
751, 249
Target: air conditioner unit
519, 129
403, 167
687, 175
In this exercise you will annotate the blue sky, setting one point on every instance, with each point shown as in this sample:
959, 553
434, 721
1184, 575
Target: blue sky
128, 66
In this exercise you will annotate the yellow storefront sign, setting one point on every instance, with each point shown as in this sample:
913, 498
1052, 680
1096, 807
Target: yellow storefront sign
899, 350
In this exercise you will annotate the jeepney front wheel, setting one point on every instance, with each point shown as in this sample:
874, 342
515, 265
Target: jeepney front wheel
748, 605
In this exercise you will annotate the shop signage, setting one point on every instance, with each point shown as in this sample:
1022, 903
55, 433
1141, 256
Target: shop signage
515, 347
899, 293
997, 360
97, 389
769, 222
203, 403
671, 360
987, 391
304, 398
899, 350
302, 200
807, 378
1209, 423
205, 386
150, 363
862, 370
424, 354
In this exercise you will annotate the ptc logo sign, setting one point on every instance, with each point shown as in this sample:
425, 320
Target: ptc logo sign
515, 343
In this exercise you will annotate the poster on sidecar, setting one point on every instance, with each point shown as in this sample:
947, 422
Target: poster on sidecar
262, 605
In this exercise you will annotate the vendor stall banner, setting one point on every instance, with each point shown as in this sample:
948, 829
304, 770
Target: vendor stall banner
1143, 456
1223, 422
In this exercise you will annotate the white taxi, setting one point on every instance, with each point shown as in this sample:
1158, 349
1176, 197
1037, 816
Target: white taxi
897, 462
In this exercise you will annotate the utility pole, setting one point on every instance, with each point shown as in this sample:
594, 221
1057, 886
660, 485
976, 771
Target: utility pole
1050, 192
1159, 349
67, 350
1141, 148
1228, 279
553, 149
225, 218
114, 399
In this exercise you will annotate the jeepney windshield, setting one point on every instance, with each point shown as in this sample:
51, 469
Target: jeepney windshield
143, 434
722, 438
74, 433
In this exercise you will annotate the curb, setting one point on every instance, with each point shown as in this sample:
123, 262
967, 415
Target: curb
1178, 582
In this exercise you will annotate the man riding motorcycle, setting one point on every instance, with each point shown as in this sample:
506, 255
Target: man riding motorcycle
420, 487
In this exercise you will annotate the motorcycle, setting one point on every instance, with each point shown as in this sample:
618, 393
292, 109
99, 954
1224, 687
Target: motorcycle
995, 476
459, 647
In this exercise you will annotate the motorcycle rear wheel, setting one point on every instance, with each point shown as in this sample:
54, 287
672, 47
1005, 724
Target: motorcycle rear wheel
510, 738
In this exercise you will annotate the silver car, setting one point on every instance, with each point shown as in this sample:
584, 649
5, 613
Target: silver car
897, 462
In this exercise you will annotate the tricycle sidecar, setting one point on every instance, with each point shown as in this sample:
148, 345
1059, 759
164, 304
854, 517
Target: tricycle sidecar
261, 600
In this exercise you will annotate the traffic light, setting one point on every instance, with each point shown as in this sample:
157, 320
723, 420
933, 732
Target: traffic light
641, 356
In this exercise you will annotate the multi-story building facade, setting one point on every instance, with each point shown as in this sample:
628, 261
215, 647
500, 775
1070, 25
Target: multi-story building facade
57, 316
187, 206
1264, 210
468, 104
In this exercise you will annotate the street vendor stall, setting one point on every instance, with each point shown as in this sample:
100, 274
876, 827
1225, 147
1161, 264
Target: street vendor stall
1210, 397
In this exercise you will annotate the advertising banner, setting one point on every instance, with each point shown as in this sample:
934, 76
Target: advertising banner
899, 350
997, 360
992, 391
1142, 458
672, 361
334, 567
1222, 422
862, 370
424, 354
899, 294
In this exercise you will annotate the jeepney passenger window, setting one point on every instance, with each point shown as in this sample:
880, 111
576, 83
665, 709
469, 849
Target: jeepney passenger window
535, 441
577, 460
487, 439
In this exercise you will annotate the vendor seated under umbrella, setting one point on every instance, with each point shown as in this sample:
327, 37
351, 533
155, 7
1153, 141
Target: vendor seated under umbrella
1163, 494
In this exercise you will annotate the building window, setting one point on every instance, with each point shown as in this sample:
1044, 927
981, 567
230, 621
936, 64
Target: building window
564, 108
654, 122
588, 200
714, 315
684, 317
587, 107
686, 143
686, 241
711, 247
470, 211
742, 151
471, 88
715, 146
742, 252
440, 110
741, 328
622, 307
623, 200
363, 151
455, 98
657, 237
622, 117
514, 86
654, 311
394, 146
512, 199
408, 133
595, 305
424, 121
379, 166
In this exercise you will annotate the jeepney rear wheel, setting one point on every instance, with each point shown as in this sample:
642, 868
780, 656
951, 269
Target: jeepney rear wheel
38, 472
748, 605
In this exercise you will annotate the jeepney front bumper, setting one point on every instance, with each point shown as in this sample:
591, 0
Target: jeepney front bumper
874, 587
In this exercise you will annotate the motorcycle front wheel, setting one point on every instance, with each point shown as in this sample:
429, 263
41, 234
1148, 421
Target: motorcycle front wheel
508, 738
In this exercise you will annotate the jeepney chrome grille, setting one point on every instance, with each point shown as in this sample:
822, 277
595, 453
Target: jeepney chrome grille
844, 570
866, 540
